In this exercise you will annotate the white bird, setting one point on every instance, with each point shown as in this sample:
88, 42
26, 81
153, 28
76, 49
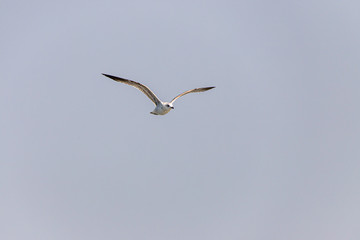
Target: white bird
161, 108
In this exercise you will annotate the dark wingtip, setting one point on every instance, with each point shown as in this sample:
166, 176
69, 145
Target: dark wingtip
110, 76
106, 75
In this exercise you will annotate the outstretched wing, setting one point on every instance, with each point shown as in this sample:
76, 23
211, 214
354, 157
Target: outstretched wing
137, 85
192, 91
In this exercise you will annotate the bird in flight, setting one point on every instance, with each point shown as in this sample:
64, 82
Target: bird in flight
161, 108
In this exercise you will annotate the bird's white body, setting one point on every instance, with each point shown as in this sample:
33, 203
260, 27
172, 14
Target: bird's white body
161, 108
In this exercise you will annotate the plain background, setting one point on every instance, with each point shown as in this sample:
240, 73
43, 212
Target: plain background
271, 153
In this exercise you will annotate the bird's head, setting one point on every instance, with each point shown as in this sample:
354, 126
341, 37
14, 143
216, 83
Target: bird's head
169, 105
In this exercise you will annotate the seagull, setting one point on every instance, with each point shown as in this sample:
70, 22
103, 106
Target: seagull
161, 108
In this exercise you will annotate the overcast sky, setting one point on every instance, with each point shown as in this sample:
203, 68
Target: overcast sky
271, 153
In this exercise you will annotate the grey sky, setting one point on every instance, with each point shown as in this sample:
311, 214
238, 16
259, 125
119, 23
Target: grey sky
271, 153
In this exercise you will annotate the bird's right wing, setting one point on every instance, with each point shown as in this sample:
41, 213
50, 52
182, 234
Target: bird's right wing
137, 85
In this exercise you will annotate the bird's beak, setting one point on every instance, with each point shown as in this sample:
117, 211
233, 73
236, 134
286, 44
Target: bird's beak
172, 107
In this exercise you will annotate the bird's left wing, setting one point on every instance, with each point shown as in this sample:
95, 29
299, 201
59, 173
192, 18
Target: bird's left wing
192, 91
